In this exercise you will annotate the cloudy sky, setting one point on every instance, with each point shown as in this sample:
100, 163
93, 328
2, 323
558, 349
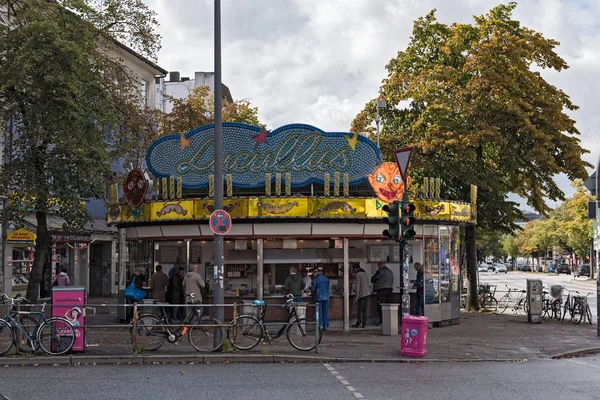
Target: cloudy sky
320, 61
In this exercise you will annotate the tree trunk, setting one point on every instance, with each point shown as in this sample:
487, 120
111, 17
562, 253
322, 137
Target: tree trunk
472, 303
41, 256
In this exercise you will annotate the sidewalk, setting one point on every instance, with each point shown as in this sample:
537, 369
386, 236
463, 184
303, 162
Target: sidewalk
479, 337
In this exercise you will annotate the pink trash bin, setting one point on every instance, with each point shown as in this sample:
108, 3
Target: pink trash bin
413, 340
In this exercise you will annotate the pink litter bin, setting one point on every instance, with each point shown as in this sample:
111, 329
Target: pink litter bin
413, 341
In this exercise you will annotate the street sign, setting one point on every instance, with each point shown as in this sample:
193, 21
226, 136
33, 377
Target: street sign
220, 222
402, 157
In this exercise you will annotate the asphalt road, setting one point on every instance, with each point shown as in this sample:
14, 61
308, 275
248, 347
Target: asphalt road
518, 280
544, 380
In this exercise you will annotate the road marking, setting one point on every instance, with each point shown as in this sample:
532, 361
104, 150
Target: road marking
342, 381
583, 363
2, 397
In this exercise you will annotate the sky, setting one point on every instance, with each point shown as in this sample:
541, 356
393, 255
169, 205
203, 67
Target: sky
320, 61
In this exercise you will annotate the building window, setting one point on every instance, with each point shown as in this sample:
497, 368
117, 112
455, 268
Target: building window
144, 93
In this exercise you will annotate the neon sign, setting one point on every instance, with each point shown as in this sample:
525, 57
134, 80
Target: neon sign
250, 152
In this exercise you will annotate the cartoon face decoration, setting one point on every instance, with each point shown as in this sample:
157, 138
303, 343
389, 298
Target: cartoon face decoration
135, 187
387, 182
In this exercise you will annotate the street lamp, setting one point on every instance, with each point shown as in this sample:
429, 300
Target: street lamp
380, 104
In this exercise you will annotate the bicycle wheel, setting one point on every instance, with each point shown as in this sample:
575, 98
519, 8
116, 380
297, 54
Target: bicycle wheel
206, 335
6, 337
503, 303
577, 313
149, 332
29, 324
525, 306
301, 334
565, 309
56, 336
247, 332
556, 307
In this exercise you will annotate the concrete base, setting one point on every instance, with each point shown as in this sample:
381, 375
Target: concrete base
390, 319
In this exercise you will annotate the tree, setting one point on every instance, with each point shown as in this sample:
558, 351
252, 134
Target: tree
62, 89
490, 243
510, 246
197, 109
470, 100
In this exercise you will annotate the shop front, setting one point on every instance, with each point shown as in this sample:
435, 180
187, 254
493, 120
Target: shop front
324, 210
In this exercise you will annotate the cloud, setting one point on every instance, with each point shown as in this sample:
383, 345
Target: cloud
320, 61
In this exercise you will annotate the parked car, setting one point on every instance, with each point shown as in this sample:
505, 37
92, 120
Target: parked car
563, 269
501, 268
483, 268
583, 270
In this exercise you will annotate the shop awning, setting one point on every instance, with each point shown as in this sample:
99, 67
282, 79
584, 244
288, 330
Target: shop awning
295, 256
240, 257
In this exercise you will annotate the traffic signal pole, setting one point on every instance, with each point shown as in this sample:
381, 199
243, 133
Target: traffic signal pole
404, 259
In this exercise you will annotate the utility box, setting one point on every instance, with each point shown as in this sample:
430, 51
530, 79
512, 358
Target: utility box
534, 301
389, 320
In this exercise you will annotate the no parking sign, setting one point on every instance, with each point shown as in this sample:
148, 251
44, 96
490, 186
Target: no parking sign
220, 222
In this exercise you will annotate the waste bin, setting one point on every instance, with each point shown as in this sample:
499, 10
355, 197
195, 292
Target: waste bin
413, 342
69, 302
389, 318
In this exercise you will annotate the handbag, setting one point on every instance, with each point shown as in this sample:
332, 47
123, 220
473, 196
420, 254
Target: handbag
134, 294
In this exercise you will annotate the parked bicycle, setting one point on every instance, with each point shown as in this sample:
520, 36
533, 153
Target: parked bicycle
486, 298
204, 333
518, 305
581, 309
551, 305
31, 330
569, 305
247, 330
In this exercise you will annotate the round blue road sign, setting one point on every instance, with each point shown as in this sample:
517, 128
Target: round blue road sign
220, 222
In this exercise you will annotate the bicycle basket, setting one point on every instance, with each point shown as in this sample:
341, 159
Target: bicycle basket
556, 291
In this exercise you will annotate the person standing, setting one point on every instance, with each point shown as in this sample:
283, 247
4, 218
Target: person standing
307, 279
362, 292
63, 278
383, 283
177, 292
294, 284
418, 284
193, 284
158, 284
138, 278
320, 289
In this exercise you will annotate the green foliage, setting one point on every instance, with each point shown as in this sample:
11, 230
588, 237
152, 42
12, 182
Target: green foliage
227, 346
62, 88
198, 108
490, 243
510, 246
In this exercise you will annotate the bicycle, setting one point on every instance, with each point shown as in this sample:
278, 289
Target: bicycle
247, 330
569, 305
55, 336
203, 332
520, 304
581, 309
485, 297
551, 306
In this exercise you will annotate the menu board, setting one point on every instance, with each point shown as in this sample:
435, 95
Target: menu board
169, 254
379, 253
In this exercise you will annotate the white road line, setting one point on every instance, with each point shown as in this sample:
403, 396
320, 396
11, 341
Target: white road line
583, 363
342, 381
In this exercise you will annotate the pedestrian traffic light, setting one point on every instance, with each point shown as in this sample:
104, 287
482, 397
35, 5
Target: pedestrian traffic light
408, 221
393, 220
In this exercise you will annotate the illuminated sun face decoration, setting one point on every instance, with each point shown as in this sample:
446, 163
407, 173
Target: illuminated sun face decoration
135, 187
387, 183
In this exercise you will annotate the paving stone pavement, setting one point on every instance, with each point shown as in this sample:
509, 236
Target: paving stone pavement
479, 336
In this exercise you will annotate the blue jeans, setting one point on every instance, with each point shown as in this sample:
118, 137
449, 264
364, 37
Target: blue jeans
419, 303
298, 299
323, 314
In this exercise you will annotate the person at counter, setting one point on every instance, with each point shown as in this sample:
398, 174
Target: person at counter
158, 284
176, 291
418, 284
362, 292
294, 284
383, 283
320, 290
193, 284
307, 279
138, 278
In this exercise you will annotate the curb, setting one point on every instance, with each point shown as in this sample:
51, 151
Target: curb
577, 353
236, 359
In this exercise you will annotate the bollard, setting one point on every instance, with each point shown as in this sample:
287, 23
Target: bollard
234, 324
134, 326
317, 329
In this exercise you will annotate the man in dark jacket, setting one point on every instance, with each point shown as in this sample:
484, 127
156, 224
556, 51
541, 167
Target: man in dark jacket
320, 290
177, 292
383, 283
294, 284
419, 285
158, 284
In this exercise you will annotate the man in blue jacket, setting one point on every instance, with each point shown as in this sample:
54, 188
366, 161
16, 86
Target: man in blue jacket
320, 290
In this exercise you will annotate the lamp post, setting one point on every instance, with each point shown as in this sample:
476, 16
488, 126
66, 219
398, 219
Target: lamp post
380, 104
219, 297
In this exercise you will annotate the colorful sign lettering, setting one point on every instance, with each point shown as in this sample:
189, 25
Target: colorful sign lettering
251, 152
21, 236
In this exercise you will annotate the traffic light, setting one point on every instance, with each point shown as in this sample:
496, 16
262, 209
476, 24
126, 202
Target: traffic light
408, 221
393, 220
